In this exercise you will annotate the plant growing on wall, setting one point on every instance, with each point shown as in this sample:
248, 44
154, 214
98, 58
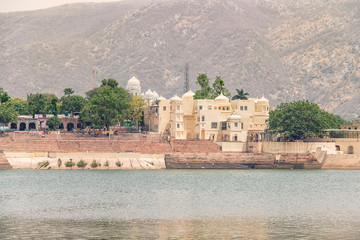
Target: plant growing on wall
94, 164
118, 163
69, 163
59, 162
81, 164
106, 164
43, 164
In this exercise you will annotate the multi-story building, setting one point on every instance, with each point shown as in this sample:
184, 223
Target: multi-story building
215, 119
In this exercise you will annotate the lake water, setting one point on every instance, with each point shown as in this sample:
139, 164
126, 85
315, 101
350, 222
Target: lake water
179, 204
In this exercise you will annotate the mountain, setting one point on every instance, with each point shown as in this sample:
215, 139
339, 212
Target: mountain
286, 50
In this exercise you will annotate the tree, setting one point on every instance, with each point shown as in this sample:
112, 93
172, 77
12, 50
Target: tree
219, 87
37, 103
107, 106
301, 119
240, 94
109, 82
53, 105
137, 108
7, 113
20, 105
4, 97
68, 91
53, 123
72, 104
206, 92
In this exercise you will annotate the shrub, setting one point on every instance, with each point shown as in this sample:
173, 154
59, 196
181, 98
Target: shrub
118, 163
59, 162
94, 164
106, 163
81, 164
43, 164
69, 163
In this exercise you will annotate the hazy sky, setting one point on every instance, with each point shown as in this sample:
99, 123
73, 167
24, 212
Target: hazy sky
25, 5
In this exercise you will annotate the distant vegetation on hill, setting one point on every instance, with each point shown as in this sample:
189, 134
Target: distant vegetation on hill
287, 50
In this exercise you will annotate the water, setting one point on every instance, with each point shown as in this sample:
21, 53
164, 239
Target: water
180, 204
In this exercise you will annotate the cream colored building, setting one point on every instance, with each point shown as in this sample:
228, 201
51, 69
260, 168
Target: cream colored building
216, 119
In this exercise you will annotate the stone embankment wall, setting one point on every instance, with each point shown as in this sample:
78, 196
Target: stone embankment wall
104, 160
298, 147
82, 143
233, 160
342, 161
4, 164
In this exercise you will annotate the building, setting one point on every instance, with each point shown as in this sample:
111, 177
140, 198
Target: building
216, 119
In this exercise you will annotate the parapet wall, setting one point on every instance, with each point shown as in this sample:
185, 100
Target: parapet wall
298, 147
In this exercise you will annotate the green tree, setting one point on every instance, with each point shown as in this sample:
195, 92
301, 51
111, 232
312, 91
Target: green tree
4, 97
53, 123
72, 104
205, 92
53, 105
301, 119
20, 105
37, 103
137, 105
219, 87
68, 91
108, 105
7, 113
240, 94
109, 82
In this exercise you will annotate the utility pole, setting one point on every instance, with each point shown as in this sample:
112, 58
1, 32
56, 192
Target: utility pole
186, 87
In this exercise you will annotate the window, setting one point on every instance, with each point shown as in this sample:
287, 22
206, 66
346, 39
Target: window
242, 125
170, 108
241, 108
198, 119
214, 125
215, 108
164, 108
245, 108
236, 124
223, 126
177, 107
209, 108
178, 125
227, 108
200, 107
202, 118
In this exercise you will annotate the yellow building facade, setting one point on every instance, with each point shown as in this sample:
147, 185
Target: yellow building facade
216, 119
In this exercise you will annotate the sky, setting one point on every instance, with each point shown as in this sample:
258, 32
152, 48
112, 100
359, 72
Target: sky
26, 5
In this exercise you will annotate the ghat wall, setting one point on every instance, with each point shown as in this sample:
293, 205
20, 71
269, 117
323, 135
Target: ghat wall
26, 160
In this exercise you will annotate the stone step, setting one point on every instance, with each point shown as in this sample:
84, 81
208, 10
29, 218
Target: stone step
4, 163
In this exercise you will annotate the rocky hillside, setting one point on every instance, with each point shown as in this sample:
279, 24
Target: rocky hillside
283, 49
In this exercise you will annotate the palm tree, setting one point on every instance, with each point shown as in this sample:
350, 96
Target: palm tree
240, 95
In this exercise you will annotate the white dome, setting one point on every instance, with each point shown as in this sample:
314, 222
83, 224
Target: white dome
189, 94
221, 98
149, 95
155, 94
263, 99
161, 98
176, 98
133, 86
133, 82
